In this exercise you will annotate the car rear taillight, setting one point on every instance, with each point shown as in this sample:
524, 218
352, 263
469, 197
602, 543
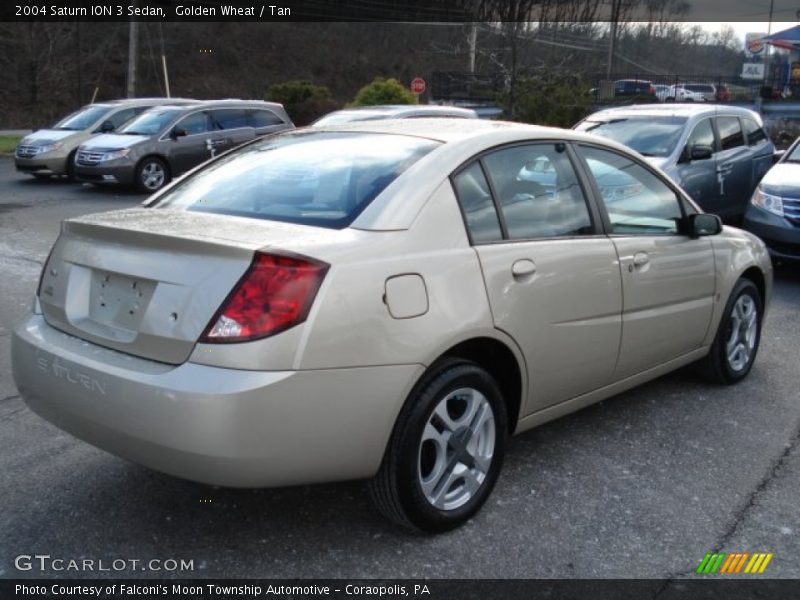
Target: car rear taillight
274, 294
652, 90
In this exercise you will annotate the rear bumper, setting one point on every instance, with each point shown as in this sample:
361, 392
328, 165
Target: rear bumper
781, 237
56, 165
107, 173
218, 426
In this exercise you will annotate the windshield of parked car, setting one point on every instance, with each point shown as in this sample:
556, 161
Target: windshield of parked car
314, 178
84, 118
649, 135
793, 154
150, 122
347, 117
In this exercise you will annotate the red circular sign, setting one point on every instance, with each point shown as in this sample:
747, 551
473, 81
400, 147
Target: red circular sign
418, 85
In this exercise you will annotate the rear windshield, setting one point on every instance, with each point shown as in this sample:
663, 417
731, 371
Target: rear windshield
650, 135
316, 178
151, 122
84, 118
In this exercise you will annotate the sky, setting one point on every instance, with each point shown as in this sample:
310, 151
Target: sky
742, 28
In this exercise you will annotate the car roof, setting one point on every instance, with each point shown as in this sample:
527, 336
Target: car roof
398, 109
675, 110
447, 130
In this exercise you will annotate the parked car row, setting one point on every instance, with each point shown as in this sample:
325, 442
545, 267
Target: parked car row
145, 142
678, 92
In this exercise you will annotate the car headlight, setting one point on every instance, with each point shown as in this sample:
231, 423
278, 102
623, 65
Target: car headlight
115, 154
768, 202
49, 147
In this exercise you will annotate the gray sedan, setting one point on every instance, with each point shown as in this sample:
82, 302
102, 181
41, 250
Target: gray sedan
718, 154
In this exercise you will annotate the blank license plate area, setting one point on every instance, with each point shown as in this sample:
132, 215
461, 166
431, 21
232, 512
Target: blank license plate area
119, 300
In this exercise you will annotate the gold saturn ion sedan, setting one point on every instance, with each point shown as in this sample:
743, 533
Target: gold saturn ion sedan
385, 300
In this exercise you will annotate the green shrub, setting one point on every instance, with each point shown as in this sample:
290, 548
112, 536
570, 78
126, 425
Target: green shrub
383, 91
303, 100
551, 100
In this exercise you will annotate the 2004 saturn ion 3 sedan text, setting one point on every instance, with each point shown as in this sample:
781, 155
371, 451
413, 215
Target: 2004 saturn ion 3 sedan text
386, 300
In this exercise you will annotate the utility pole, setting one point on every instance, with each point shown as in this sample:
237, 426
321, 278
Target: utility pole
133, 51
615, 10
473, 46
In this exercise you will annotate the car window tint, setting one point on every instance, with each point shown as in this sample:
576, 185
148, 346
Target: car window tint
538, 191
194, 123
702, 135
477, 205
637, 201
229, 118
264, 118
315, 178
754, 132
121, 117
730, 132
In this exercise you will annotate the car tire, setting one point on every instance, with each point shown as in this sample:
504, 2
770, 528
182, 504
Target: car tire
670, 99
152, 174
446, 449
736, 344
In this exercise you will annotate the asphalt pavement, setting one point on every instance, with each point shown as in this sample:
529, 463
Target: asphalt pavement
641, 485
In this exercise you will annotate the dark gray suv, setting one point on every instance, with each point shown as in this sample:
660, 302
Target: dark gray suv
167, 141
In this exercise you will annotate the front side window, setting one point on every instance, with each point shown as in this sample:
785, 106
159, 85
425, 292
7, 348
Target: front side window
702, 135
194, 124
317, 178
538, 191
150, 122
637, 201
730, 132
121, 117
84, 118
476, 202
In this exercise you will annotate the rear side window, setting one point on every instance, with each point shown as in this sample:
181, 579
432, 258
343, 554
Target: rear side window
229, 118
730, 132
637, 201
477, 205
264, 118
754, 133
316, 178
538, 192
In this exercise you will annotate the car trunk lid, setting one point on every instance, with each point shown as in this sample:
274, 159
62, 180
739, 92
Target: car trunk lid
148, 281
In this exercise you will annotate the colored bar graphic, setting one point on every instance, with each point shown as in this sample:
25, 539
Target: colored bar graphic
734, 562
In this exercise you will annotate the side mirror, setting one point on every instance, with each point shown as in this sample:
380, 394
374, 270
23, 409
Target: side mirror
703, 224
177, 132
700, 152
106, 127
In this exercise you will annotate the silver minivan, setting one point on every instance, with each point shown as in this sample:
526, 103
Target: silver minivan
169, 140
718, 154
51, 150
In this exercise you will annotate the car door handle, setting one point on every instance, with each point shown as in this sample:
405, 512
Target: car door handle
640, 259
523, 268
